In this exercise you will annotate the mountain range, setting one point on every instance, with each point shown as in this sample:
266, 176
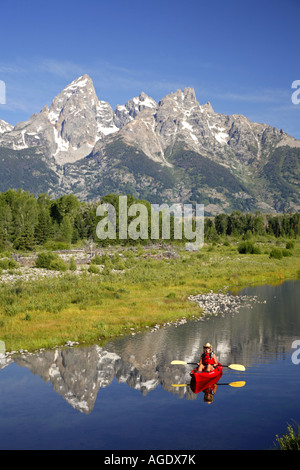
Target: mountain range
176, 150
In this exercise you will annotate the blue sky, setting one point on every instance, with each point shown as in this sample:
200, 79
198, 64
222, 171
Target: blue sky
240, 55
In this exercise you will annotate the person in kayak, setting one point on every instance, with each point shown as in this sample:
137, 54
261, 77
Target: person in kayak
208, 360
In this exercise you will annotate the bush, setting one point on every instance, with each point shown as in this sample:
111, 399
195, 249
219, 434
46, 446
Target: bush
276, 253
289, 245
248, 248
119, 265
98, 260
44, 259
72, 264
8, 263
58, 265
5, 254
286, 252
52, 261
93, 269
56, 245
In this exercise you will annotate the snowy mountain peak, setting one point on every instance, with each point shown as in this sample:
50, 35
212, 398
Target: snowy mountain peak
69, 128
207, 108
80, 82
126, 113
5, 127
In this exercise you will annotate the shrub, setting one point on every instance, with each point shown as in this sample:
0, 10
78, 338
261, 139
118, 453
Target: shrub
44, 259
119, 265
50, 261
248, 248
5, 254
58, 265
72, 264
286, 252
8, 263
289, 245
93, 269
98, 260
276, 253
56, 245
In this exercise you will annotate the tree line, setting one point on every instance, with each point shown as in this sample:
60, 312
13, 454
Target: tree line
27, 221
239, 224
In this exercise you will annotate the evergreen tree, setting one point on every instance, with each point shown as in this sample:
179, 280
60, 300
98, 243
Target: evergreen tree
44, 228
25, 241
66, 230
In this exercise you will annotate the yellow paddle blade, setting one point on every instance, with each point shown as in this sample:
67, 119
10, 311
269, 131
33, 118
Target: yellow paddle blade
237, 367
237, 384
241, 383
231, 366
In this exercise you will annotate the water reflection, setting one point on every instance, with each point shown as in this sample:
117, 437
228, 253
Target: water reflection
258, 334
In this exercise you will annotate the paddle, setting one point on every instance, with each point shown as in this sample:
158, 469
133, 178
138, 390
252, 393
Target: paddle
232, 384
231, 366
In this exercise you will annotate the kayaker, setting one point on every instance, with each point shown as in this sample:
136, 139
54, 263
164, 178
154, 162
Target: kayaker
208, 360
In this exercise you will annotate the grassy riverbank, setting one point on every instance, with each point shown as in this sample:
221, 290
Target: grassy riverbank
132, 289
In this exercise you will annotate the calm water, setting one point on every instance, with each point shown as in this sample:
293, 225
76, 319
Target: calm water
121, 396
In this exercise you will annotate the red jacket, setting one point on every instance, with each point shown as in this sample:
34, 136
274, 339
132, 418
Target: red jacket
207, 358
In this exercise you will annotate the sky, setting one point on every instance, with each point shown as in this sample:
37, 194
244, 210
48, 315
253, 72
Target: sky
240, 55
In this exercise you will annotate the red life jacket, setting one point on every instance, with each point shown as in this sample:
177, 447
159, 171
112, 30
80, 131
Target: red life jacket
207, 358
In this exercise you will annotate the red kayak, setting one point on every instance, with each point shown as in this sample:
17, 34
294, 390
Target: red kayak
205, 385
204, 376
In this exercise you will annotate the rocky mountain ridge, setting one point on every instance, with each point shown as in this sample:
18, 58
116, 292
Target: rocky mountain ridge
176, 150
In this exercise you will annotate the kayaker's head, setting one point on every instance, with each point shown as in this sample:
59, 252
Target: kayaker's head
207, 347
208, 398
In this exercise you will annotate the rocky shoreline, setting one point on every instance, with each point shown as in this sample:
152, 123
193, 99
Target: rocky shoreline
223, 304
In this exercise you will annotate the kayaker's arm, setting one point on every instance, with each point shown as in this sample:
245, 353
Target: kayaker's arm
216, 361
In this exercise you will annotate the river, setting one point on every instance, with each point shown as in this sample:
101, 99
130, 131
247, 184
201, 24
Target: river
122, 396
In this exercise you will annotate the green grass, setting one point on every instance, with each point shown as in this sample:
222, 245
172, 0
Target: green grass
150, 289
